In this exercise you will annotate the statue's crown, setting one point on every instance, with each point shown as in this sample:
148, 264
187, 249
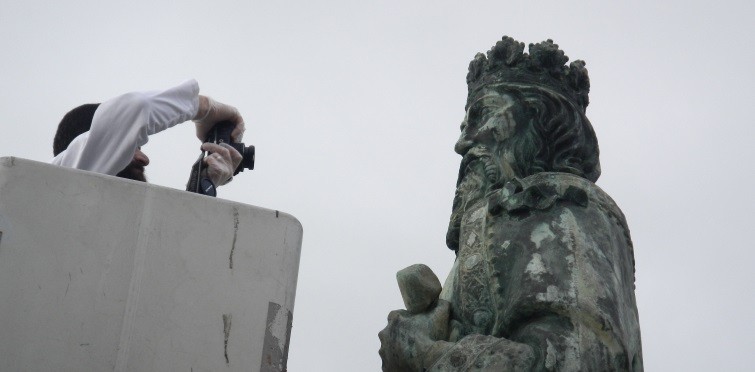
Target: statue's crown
544, 66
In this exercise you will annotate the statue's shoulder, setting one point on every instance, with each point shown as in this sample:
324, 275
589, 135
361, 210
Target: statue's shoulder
542, 191
539, 195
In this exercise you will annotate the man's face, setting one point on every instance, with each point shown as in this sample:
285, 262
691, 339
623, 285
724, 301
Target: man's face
135, 170
486, 159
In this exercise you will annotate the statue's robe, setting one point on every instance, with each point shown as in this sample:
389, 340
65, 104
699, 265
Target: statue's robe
543, 280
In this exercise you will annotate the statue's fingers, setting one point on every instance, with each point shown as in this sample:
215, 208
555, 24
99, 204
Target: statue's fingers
441, 310
382, 336
440, 320
395, 315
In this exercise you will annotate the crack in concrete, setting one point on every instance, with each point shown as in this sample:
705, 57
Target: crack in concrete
227, 332
68, 285
235, 234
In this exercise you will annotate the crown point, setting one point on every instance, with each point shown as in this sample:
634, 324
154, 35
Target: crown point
543, 66
546, 55
475, 67
507, 51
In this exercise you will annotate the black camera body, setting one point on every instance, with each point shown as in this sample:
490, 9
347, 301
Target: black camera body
221, 133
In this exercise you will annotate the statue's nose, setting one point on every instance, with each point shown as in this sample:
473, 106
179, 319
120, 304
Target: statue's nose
463, 144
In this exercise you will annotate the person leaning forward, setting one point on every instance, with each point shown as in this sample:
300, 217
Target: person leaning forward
107, 137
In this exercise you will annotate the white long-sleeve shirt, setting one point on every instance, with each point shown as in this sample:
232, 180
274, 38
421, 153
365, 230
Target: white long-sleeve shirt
123, 124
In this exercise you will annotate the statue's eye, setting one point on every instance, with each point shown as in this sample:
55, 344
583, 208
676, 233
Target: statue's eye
474, 114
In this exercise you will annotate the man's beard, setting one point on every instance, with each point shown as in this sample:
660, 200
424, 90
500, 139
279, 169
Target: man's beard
133, 171
478, 174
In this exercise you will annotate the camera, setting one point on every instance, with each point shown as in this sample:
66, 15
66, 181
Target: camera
221, 133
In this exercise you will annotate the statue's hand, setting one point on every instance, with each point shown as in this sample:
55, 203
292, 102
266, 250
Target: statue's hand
405, 341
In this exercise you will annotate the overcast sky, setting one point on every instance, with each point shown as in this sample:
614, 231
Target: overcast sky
354, 108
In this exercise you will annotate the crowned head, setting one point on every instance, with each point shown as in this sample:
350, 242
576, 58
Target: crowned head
525, 114
544, 66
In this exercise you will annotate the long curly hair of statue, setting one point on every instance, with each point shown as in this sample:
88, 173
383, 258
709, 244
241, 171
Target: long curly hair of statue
552, 135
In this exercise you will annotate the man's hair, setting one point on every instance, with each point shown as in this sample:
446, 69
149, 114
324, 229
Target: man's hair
74, 123
557, 137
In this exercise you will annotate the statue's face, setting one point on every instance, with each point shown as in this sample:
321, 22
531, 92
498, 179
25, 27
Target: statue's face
488, 121
488, 124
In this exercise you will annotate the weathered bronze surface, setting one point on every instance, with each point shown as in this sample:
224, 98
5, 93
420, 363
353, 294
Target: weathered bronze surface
544, 272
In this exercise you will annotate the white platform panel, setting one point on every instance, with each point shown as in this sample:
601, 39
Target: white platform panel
98, 273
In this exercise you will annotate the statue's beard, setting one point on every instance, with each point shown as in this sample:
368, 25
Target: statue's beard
479, 174
133, 171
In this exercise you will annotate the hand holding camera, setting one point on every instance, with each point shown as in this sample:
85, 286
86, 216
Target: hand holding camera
226, 158
211, 112
221, 162
221, 127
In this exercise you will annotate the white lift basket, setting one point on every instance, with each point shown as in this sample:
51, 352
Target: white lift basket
98, 273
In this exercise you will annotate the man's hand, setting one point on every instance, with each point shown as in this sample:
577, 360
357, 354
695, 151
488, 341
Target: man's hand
407, 338
221, 163
211, 112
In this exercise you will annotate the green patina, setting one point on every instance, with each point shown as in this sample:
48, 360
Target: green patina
544, 271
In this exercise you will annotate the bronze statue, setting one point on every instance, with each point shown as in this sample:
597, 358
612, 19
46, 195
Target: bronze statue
544, 272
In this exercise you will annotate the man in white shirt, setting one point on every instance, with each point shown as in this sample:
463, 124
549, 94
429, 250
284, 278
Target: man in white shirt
107, 137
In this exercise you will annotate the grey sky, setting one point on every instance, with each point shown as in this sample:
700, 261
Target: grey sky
354, 108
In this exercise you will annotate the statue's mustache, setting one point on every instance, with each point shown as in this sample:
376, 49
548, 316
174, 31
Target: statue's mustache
486, 157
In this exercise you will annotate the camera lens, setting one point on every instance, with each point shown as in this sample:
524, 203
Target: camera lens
248, 161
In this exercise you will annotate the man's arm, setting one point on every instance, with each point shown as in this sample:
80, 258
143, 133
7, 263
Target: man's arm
123, 124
